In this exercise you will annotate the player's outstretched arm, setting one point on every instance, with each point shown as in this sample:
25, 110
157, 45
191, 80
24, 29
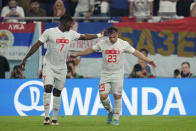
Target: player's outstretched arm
85, 52
141, 56
33, 49
91, 36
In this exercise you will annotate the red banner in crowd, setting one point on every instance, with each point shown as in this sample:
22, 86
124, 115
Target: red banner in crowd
165, 38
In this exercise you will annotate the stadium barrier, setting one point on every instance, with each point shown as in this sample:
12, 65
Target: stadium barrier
98, 18
52, 18
23, 97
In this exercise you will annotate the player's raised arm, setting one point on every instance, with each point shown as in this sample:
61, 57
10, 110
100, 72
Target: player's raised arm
91, 36
33, 49
85, 52
141, 56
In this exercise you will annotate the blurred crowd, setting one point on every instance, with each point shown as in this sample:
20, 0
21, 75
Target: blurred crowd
184, 72
88, 8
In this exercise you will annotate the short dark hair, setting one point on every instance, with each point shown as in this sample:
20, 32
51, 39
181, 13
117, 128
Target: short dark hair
144, 50
66, 18
111, 30
186, 63
16, 67
176, 72
137, 67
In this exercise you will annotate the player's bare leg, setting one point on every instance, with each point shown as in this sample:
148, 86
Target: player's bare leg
56, 106
107, 105
117, 109
46, 101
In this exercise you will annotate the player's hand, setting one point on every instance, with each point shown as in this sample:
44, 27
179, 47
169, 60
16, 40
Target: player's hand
73, 56
101, 34
153, 64
22, 65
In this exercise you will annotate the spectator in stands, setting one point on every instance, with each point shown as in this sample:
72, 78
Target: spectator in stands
35, 9
101, 7
145, 71
84, 8
4, 66
144, 65
69, 72
193, 9
138, 72
12, 10
183, 7
119, 8
72, 67
141, 8
167, 8
16, 73
71, 6
177, 73
59, 8
186, 70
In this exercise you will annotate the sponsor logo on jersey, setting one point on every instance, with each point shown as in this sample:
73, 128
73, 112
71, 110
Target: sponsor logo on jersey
62, 41
112, 52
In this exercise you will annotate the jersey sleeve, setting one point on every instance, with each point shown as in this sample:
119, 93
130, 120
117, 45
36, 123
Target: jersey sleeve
44, 37
75, 35
97, 47
128, 48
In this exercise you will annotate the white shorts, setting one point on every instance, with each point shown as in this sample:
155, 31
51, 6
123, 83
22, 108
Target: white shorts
54, 77
114, 86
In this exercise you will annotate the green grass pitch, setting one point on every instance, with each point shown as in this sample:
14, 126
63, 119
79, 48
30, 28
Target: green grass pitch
97, 123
